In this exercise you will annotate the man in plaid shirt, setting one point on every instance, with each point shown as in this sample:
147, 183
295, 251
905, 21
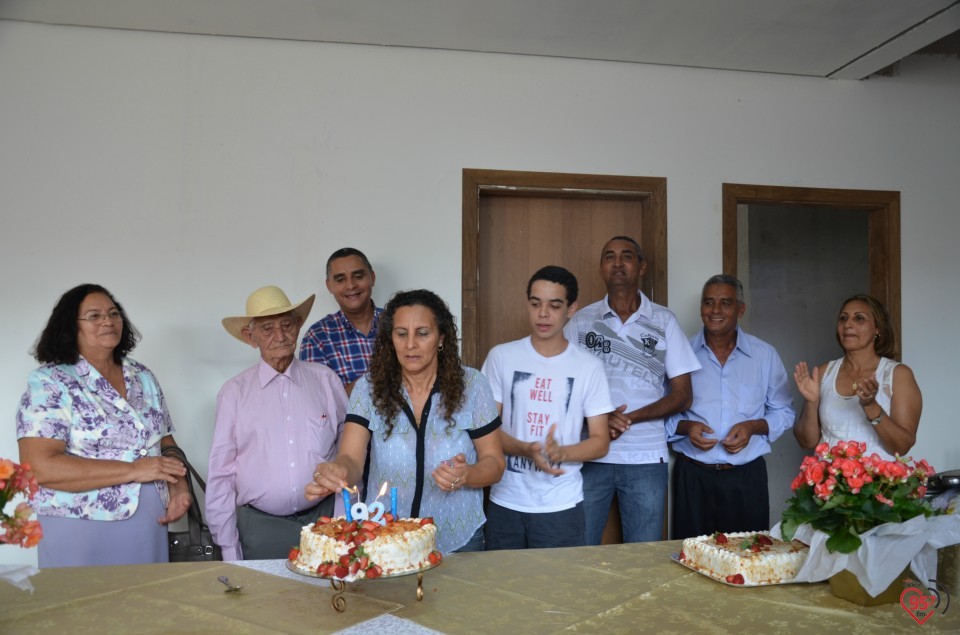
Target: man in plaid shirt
344, 340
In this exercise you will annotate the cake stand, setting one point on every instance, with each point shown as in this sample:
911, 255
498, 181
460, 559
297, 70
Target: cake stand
339, 586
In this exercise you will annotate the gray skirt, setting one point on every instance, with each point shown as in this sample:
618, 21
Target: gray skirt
77, 542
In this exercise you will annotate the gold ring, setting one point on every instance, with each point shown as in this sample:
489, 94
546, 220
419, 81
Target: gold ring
854, 386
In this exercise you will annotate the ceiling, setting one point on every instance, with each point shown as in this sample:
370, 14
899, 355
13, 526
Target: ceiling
839, 39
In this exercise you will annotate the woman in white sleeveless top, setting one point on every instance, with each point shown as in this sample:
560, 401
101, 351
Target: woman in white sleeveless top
865, 395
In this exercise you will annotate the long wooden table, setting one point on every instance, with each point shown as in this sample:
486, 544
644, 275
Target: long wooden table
610, 589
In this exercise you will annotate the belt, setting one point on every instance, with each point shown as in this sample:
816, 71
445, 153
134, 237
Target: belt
291, 516
709, 466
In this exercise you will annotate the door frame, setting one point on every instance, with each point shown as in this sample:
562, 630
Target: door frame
652, 191
883, 230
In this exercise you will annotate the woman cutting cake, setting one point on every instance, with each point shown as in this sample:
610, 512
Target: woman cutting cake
865, 395
428, 421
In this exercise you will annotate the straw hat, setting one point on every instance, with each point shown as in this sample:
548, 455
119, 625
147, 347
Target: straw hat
264, 302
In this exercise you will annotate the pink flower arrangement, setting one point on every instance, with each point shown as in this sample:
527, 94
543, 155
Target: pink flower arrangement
18, 529
844, 493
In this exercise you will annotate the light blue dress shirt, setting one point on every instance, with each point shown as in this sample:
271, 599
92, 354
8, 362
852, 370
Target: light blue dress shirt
752, 384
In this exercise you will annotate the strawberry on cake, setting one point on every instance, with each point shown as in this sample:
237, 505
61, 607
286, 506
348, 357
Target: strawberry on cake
353, 550
750, 558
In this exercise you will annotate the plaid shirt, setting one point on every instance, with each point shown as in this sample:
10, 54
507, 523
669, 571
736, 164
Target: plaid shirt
335, 342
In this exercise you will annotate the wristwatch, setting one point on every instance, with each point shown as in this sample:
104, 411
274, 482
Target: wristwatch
876, 422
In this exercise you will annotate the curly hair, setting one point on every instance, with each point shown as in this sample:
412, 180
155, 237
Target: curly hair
58, 341
385, 371
885, 344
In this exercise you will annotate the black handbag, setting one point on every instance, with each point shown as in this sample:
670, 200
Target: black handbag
196, 544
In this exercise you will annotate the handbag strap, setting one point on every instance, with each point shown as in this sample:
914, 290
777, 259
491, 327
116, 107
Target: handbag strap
194, 514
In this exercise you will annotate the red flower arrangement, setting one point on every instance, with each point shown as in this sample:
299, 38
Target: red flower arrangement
843, 493
18, 529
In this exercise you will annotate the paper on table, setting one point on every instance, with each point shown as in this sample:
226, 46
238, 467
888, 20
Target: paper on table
388, 624
18, 575
278, 568
885, 553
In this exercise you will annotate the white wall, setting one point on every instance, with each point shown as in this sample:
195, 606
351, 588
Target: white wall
182, 172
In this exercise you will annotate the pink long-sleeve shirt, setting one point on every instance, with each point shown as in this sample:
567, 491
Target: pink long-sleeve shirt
272, 430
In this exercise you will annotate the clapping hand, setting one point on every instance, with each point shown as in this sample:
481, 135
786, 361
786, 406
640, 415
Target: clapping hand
866, 389
737, 438
697, 433
451, 474
544, 456
808, 384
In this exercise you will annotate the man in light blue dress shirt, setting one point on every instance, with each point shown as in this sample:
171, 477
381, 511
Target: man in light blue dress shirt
741, 404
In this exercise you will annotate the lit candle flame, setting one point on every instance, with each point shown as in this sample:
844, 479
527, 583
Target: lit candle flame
383, 490
350, 490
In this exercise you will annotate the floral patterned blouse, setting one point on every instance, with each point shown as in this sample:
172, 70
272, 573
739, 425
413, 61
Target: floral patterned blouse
407, 457
75, 404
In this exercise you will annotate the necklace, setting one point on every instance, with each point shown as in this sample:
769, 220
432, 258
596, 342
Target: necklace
850, 369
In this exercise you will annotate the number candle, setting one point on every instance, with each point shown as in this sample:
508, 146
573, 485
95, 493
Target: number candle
377, 508
346, 504
360, 511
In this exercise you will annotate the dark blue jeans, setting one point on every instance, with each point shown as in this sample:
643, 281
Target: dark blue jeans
641, 493
475, 543
509, 529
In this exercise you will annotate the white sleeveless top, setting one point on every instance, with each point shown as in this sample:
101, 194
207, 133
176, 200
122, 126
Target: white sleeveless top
842, 418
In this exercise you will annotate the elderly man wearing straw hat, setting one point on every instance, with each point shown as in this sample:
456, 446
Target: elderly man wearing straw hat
275, 422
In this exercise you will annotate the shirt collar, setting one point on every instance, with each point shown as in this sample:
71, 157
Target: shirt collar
91, 377
345, 322
85, 368
645, 309
268, 373
743, 345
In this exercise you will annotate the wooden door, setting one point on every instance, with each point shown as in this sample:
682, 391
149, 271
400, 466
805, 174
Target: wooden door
516, 222
519, 235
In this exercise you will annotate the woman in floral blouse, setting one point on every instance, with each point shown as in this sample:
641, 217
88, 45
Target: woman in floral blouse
428, 421
92, 425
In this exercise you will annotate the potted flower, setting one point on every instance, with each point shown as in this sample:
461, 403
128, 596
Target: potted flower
844, 494
16, 526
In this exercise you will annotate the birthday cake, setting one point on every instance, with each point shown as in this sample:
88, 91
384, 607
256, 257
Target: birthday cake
744, 558
336, 548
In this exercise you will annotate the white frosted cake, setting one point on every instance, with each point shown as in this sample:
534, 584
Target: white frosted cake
744, 558
365, 549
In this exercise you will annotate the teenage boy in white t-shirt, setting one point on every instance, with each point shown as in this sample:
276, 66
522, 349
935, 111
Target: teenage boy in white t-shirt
545, 387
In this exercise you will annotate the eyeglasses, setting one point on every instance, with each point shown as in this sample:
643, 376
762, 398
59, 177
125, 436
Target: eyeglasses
101, 318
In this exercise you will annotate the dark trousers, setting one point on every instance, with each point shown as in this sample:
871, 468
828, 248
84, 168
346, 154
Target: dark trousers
708, 500
509, 529
264, 536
